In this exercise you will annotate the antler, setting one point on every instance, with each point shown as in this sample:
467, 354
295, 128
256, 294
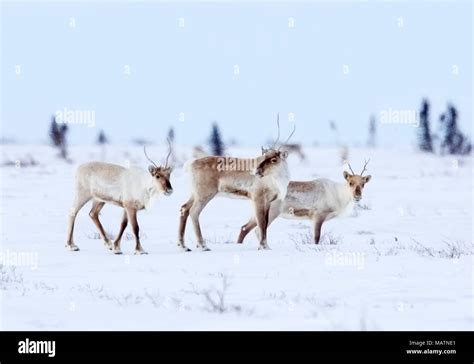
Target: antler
348, 164
278, 138
365, 167
169, 153
147, 157
274, 146
291, 135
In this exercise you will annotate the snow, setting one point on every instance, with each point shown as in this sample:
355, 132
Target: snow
401, 261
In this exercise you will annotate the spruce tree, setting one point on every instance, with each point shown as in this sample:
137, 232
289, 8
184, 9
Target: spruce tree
171, 135
102, 138
425, 140
57, 134
215, 141
372, 132
454, 141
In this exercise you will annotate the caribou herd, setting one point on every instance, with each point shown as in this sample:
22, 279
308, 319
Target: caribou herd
264, 180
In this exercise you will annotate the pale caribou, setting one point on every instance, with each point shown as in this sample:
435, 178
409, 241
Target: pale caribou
263, 180
319, 201
133, 189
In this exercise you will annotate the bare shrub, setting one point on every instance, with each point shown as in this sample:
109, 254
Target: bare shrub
216, 240
302, 241
41, 286
305, 241
362, 207
422, 249
455, 249
331, 239
126, 236
215, 298
27, 161
452, 249
10, 277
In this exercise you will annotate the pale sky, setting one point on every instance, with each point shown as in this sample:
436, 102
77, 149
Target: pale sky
143, 67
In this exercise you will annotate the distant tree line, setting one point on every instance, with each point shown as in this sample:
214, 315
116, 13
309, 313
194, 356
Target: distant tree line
451, 140
58, 133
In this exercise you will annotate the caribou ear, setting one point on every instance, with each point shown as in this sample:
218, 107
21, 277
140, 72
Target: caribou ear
284, 155
346, 175
367, 179
264, 151
152, 170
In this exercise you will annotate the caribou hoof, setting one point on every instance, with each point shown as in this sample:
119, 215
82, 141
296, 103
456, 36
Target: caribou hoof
72, 247
140, 252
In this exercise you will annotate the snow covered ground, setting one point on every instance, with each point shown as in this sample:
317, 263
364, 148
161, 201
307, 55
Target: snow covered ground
402, 261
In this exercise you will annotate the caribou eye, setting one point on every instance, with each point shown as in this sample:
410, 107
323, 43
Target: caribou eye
351, 184
274, 160
158, 177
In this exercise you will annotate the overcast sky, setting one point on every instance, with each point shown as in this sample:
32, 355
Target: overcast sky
143, 67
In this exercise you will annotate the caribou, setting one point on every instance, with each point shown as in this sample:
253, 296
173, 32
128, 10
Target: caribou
263, 180
319, 201
133, 189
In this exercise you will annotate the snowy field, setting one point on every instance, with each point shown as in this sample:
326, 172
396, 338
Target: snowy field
401, 261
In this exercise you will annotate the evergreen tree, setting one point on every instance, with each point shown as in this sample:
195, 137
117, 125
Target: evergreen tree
57, 134
425, 140
333, 127
454, 141
215, 141
171, 135
102, 139
372, 132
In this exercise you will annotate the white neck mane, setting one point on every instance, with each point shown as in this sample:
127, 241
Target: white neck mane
141, 186
281, 180
344, 196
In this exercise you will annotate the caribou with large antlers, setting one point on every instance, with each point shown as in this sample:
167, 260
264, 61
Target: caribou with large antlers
263, 180
319, 201
133, 189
